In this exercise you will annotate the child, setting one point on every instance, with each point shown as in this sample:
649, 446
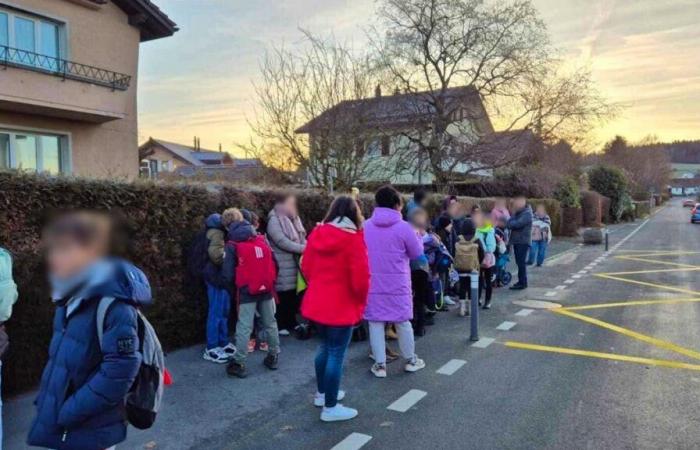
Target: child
467, 260
487, 241
250, 271
420, 273
541, 236
502, 258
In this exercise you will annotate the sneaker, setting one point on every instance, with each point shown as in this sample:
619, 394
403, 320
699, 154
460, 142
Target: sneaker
271, 361
264, 347
338, 413
215, 355
414, 365
448, 301
284, 332
229, 350
237, 370
379, 370
251, 345
320, 399
487, 305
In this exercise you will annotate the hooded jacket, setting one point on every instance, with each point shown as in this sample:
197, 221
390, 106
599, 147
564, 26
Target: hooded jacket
238, 232
215, 250
336, 269
80, 405
520, 226
391, 244
487, 236
287, 253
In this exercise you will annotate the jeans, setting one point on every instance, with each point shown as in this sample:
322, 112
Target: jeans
407, 343
329, 360
246, 319
538, 249
217, 317
520, 252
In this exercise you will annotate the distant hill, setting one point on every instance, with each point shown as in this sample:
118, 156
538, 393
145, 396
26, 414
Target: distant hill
679, 152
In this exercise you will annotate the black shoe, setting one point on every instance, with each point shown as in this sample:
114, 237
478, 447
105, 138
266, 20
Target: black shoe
487, 305
419, 332
517, 287
237, 370
429, 320
529, 264
271, 361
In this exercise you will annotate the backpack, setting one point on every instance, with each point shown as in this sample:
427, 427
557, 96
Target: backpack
144, 398
8, 294
198, 256
467, 255
255, 268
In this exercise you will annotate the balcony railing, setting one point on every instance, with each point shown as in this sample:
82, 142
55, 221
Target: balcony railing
68, 70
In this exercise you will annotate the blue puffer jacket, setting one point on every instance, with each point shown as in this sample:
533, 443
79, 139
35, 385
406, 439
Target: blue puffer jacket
80, 405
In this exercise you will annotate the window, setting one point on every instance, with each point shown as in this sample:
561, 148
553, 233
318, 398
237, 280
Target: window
32, 36
34, 152
386, 145
373, 148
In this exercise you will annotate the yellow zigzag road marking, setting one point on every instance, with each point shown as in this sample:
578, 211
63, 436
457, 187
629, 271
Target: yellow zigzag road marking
666, 263
612, 356
645, 283
641, 253
683, 269
668, 301
633, 334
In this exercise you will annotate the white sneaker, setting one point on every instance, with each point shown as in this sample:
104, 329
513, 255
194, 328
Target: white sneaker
415, 365
463, 308
338, 413
284, 332
229, 350
320, 399
448, 300
215, 355
379, 370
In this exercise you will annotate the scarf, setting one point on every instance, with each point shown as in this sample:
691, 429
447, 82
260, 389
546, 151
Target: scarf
291, 225
78, 286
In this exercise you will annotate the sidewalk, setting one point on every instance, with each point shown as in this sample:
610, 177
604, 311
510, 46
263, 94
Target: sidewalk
203, 402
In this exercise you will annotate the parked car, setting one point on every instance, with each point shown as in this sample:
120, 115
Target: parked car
695, 214
688, 203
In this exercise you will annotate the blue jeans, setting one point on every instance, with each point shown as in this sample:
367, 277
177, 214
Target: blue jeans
329, 360
538, 250
217, 318
520, 252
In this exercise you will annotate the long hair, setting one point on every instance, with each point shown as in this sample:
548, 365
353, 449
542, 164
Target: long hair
344, 206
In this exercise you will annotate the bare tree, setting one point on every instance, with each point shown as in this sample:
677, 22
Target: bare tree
299, 87
502, 51
647, 166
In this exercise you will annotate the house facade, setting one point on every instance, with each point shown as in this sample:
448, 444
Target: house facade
68, 84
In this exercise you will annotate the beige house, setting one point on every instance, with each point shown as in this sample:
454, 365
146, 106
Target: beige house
68, 83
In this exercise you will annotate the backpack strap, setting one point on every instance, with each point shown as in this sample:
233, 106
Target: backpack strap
102, 307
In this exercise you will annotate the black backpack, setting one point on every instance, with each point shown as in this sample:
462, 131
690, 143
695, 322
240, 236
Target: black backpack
198, 256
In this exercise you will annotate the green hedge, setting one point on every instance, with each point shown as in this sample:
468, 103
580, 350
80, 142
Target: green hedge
162, 218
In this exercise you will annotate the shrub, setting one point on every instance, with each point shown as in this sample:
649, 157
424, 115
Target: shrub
611, 182
568, 194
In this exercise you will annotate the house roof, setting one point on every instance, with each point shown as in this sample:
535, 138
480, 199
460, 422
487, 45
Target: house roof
685, 182
145, 15
198, 157
390, 111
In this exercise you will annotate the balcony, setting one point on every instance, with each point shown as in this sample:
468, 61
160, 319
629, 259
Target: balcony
67, 70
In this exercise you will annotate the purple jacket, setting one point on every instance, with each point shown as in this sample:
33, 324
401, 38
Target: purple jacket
391, 244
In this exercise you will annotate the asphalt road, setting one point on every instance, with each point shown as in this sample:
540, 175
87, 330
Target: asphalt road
615, 376
509, 397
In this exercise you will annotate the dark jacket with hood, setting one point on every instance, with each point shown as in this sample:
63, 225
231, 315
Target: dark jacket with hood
520, 226
216, 236
80, 405
238, 232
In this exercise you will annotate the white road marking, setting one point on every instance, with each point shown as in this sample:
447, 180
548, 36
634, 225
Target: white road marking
577, 276
550, 294
569, 281
582, 271
483, 342
560, 287
524, 312
407, 400
505, 326
352, 442
451, 367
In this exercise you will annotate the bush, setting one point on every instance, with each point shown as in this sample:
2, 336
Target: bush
568, 194
611, 182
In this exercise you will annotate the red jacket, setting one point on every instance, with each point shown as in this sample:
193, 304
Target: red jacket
336, 269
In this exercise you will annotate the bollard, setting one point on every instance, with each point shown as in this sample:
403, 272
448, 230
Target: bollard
474, 290
606, 239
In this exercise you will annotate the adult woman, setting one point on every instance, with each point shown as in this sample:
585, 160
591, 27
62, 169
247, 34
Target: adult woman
337, 272
486, 235
288, 240
80, 404
391, 244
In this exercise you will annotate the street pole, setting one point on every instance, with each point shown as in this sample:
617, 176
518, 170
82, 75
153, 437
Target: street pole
607, 235
474, 290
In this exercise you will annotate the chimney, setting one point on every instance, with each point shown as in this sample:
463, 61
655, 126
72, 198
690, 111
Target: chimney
378, 91
219, 147
194, 146
397, 91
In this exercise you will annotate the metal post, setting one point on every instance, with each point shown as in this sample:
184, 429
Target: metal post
474, 290
606, 239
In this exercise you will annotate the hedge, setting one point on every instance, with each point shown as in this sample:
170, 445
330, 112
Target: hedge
162, 219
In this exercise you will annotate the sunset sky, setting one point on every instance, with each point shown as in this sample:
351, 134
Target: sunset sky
644, 54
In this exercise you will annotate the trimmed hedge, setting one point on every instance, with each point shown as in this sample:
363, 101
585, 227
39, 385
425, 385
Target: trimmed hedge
162, 219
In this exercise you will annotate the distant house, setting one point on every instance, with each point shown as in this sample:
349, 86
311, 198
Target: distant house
159, 156
380, 127
68, 84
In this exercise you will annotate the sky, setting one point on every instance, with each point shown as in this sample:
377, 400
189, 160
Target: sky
644, 56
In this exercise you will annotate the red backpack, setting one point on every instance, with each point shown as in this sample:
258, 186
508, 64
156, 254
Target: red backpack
255, 268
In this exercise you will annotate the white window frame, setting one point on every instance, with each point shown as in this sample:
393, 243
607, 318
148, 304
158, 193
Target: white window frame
37, 19
64, 153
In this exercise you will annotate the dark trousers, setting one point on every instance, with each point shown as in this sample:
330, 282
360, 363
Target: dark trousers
287, 309
464, 287
329, 360
520, 252
485, 283
420, 282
